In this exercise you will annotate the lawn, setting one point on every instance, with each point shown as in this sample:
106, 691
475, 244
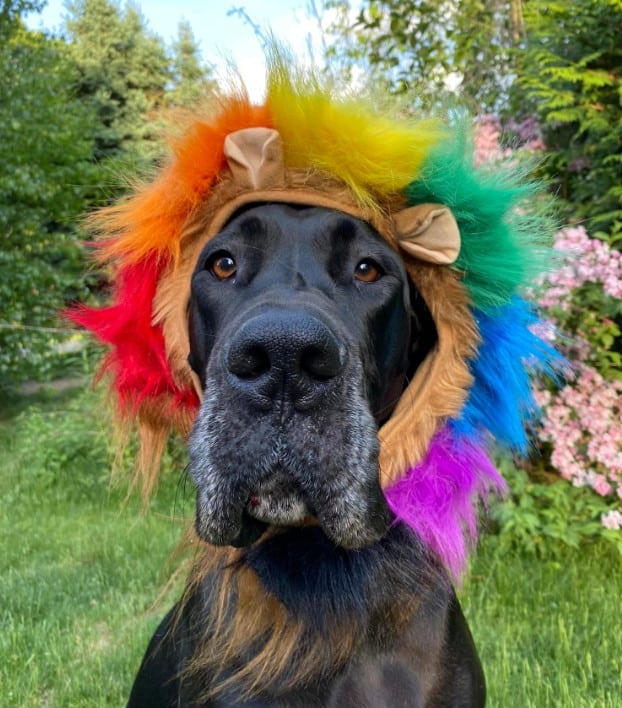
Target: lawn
82, 573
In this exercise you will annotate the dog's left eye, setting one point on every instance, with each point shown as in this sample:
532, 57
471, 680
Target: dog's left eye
222, 265
367, 271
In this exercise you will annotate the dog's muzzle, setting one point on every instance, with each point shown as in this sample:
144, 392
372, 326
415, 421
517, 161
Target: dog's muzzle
284, 434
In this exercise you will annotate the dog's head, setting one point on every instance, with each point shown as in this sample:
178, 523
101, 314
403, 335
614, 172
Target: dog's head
306, 400
302, 334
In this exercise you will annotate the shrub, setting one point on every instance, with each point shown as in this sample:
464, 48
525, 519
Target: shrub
582, 422
580, 433
543, 516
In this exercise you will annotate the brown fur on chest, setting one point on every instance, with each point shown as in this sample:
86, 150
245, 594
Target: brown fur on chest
245, 636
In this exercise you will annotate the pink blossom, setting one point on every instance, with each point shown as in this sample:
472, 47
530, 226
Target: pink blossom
601, 486
612, 520
587, 260
583, 423
487, 141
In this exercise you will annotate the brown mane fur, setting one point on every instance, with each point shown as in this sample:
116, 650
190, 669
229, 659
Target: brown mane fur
246, 620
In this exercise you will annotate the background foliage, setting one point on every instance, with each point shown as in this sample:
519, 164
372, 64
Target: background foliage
76, 113
426, 46
47, 178
569, 67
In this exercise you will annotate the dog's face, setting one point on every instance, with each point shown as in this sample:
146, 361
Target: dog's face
302, 332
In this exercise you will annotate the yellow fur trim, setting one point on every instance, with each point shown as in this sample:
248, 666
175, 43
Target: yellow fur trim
375, 155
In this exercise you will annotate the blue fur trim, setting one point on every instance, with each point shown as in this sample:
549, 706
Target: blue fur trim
501, 400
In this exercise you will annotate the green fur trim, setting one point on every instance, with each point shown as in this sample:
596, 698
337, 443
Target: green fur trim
504, 220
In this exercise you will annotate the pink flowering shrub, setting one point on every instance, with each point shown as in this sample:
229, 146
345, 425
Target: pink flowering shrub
489, 131
583, 425
582, 422
588, 260
580, 434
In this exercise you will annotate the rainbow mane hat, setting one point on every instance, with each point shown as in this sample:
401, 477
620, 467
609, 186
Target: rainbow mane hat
304, 146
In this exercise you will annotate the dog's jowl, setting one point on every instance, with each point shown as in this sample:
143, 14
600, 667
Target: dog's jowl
324, 302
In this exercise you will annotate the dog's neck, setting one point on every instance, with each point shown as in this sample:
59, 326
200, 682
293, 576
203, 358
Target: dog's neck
293, 607
323, 585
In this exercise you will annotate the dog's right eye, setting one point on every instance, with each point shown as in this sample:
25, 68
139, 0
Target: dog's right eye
222, 265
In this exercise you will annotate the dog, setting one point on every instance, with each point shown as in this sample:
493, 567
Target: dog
304, 331
324, 302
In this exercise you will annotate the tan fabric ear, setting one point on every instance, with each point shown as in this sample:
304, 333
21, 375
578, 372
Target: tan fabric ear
428, 232
255, 157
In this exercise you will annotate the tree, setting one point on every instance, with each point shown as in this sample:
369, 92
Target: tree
191, 80
72, 114
571, 69
46, 179
12, 10
425, 47
123, 72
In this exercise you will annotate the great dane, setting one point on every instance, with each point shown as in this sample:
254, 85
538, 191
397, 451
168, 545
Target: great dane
304, 331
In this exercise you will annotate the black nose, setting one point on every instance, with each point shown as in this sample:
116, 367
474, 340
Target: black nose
286, 356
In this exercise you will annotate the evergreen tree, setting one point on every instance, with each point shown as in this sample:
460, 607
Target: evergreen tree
123, 75
191, 80
46, 179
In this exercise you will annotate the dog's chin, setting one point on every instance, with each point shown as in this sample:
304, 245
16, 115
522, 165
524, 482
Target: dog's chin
263, 513
289, 510
353, 519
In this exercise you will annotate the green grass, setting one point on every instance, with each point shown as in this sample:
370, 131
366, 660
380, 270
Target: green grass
81, 569
549, 632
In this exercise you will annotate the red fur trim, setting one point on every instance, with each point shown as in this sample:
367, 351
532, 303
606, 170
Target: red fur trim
138, 360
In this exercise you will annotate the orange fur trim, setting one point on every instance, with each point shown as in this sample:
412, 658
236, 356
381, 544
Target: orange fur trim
152, 219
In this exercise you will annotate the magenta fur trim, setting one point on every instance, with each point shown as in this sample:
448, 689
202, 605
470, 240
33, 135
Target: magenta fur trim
438, 497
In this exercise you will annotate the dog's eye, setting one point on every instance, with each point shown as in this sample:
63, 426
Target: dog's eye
367, 271
222, 265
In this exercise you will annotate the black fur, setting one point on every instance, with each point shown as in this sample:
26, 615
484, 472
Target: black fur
303, 354
320, 583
